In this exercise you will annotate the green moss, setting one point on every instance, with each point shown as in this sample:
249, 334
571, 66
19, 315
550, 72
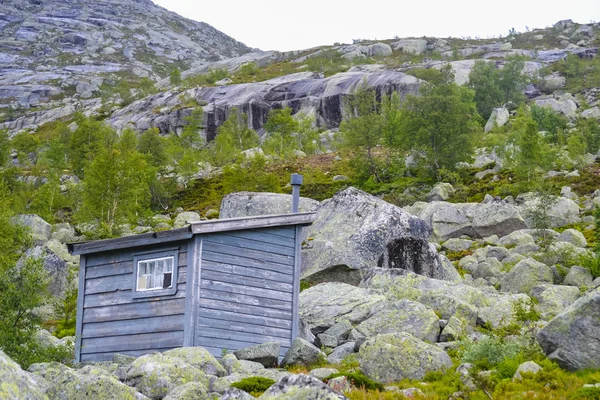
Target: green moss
255, 385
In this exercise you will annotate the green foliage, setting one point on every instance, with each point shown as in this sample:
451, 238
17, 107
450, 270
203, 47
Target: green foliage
251, 176
328, 62
590, 129
25, 143
580, 73
233, 137
586, 393
248, 69
362, 131
175, 77
67, 309
489, 351
153, 146
209, 78
358, 379
23, 287
254, 385
441, 124
4, 148
549, 121
86, 141
117, 185
287, 133
540, 217
495, 87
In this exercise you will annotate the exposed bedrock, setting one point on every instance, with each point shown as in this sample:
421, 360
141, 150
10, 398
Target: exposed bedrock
305, 92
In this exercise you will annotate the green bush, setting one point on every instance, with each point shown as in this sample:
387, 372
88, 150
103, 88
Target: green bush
586, 393
359, 380
490, 351
255, 385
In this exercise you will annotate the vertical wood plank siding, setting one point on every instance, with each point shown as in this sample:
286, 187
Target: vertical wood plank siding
246, 289
110, 320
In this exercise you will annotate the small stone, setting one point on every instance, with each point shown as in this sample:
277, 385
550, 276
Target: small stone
302, 353
340, 384
322, 373
266, 354
527, 367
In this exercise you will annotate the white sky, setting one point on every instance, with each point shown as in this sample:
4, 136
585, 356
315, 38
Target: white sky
285, 25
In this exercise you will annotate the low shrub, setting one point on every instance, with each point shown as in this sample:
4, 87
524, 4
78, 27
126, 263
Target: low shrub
359, 380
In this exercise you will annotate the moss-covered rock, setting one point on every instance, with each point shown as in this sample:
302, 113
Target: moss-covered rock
189, 391
155, 375
18, 384
200, 358
395, 356
301, 387
572, 338
303, 353
554, 299
89, 382
403, 316
526, 275
326, 304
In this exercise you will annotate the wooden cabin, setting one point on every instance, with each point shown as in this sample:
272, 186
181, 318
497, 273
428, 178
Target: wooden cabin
219, 284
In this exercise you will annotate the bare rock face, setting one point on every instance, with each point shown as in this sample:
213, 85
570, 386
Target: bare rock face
61, 52
247, 204
352, 229
308, 93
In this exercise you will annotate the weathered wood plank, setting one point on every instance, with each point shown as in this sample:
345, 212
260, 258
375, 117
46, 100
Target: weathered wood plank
242, 328
245, 299
108, 284
135, 241
79, 315
124, 297
132, 327
193, 256
263, 221
296, 292
245, 290
110, 257
265, 236
236, 259
135, 310
225, 334
247, 281
144, 341
118, 268
228, 269
243, 243
247, 309
97, 357
244, 318
248, 253
283, 231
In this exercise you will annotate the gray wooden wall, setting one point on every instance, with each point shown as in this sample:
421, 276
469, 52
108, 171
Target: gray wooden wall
114, 322
246, 291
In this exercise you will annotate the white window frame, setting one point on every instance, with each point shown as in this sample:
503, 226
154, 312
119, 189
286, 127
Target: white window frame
155, 256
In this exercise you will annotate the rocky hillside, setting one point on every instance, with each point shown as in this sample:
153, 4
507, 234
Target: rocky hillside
57, 54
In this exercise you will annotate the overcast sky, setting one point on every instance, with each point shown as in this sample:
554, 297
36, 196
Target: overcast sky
287, 25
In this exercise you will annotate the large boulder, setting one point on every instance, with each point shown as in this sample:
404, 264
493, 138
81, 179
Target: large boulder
247, 204
440, 192
562, 212
56, 268
18, 384
301, 387
446, 220
266, 354
553, 299
39, 228
396, 356
572, 338
352, 229
189, 391
302, 353
563, 104
416, 255
497, 218
89, 382
157, 374
526, 275
578, 276
326, 304
498, 118
403, 316
200, 358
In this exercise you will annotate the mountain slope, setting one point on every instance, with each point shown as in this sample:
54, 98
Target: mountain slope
50, 50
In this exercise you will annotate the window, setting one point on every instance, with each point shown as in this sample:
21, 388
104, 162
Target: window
155, 274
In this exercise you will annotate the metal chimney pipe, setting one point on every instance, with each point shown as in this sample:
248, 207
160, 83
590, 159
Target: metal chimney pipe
296, 183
